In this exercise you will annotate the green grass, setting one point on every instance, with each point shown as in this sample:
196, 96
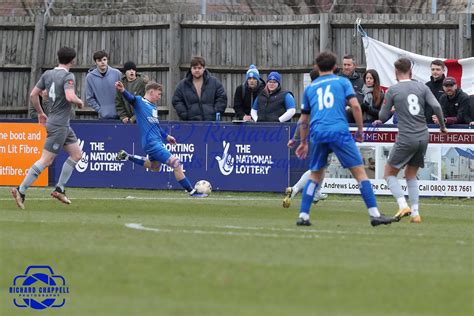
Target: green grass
238, 254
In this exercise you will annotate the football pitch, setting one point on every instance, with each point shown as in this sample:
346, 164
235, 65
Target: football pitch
143, 252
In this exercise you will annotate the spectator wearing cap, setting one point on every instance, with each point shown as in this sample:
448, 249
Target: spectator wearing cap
133, 82
274, 104
455, 103
199, 96
100, 87
246, 93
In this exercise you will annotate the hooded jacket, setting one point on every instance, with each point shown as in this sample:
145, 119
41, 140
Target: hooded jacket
357, 83
456, 108
190, 107
101, 92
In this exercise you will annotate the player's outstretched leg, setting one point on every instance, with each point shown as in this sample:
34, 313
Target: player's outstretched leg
174, 163
122, 155
291, 192
306, 201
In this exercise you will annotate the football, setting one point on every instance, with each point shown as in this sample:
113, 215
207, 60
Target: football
203, 186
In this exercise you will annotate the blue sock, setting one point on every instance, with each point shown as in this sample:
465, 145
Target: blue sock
308, 195
139, 160
186, 184
368, 194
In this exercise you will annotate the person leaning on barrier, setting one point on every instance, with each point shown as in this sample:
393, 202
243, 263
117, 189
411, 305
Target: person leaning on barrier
199, 96
246, 93
133, 82
100, 87
273, 104
455, 104
435, 84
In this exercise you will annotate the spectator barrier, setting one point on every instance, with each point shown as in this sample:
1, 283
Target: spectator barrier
245, 157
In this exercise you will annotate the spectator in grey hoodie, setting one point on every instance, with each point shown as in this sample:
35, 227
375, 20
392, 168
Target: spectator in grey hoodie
100, 87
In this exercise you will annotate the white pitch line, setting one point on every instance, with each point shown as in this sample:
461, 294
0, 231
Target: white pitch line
223, 198
222, 233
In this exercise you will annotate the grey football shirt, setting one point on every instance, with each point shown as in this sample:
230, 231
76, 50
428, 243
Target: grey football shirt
410, 98
56, 81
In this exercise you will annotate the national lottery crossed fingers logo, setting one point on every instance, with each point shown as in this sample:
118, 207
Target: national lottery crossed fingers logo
39, 288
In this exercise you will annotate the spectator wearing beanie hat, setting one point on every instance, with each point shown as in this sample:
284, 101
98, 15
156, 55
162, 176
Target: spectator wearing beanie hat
135, 84
274, 104
246, 93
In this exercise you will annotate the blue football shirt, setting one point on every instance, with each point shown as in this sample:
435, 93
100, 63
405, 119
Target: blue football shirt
325, 101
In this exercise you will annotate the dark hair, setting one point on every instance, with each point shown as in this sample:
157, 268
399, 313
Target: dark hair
376, 92
326, 61
99, 55
349, 56
198, 61
438, 62
314, 73
66, 55
403, 65
153, 86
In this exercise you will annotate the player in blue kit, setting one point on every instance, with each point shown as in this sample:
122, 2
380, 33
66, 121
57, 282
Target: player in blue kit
152, 135
323, 115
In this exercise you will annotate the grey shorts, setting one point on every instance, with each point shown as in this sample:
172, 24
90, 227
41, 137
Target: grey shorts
59, 136
408, 152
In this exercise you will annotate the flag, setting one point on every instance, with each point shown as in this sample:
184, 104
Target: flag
381, 56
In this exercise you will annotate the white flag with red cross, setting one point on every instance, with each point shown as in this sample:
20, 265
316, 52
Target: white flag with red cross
381, 56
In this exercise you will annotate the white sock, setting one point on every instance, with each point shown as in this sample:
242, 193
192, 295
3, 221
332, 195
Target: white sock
301, 183
304, 216
402, 203
373, 211
414, 210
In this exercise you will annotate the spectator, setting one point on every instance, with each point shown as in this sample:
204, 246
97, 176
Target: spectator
246, 93
273, 104
455, 104
199, 96
471, 100
135, 84
100, 87
373, 96
349, 71
436, 85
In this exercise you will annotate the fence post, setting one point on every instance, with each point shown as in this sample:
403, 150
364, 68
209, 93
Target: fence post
37, 58
325, 33
174, 73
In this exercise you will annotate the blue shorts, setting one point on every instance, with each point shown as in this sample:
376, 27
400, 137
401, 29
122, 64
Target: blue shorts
343, 146
157, 152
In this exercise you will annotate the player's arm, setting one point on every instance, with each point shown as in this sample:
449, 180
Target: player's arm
438, 111
303, 127
127, 95
357, 113
71, 93
34, 98
385, 111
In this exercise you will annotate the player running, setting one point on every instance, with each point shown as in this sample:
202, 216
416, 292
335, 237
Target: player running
323, 113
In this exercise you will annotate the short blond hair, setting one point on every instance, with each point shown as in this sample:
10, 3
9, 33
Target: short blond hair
153, 86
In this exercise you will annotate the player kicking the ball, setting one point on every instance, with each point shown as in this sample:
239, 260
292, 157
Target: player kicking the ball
152, 135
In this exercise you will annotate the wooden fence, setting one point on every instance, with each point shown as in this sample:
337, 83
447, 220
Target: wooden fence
162, 46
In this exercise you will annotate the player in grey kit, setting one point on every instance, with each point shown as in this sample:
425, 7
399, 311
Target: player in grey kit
59, 83
410, 99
